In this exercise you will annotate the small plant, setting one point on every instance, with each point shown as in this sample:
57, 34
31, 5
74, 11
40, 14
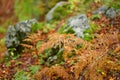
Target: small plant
88, 37
51, 56
61, 12
65, 30
34, 69
41, 61
37, 26
88, 33
22, 75
11, 51
96, 16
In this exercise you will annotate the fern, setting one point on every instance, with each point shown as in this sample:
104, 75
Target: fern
78, 59
66, 41
34, 69
22, 75
53, 73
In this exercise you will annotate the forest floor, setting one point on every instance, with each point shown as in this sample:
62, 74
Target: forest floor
99, 59
110, 69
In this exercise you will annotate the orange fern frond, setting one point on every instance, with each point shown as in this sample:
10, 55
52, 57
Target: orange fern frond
55, 72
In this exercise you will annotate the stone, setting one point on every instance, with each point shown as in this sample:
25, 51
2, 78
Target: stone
18, 32
111, 13
101, 10
49, 15
11, 40
79, 24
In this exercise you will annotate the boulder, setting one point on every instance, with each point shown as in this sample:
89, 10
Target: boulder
79, 24
110, 12
49, 15
101, 10
18, 32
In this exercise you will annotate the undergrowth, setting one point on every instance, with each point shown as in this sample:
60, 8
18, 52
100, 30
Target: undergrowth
79, 57
57, 54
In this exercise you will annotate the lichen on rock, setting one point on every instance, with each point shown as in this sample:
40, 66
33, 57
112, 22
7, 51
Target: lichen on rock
110, 12
79, 24
18, 32
49, 15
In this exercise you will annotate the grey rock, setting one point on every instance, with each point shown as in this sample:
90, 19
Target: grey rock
101, 10
11, 40
49, 15
18, 32
111, 13
79, 24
